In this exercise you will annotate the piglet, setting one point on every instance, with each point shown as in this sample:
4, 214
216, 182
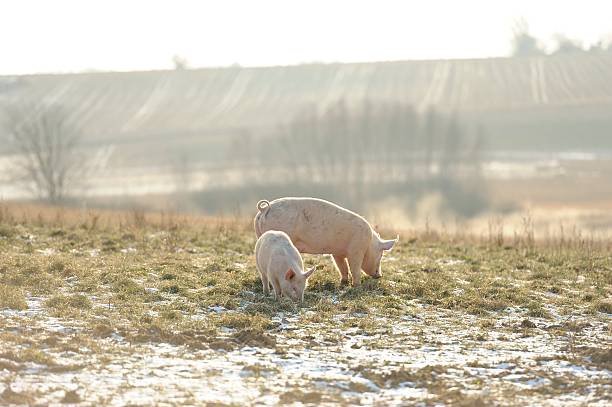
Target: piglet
279, 264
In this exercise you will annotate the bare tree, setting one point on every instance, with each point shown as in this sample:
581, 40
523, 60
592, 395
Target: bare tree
182, 171
180, 63
566, 45
45, 143
523, 43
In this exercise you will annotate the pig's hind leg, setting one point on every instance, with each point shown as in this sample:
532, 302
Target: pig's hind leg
340, 262
265, 283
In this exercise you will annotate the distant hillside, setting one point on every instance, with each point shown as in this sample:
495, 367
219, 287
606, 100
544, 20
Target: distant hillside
523, 103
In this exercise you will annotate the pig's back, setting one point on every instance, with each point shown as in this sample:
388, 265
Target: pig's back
272, 240
276, 247
316, 226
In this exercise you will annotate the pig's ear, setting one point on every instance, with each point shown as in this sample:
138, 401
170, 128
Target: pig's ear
388, 244
289, 275
309, 272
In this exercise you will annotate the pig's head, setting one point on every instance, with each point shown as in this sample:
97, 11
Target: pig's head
371, 260
294, 283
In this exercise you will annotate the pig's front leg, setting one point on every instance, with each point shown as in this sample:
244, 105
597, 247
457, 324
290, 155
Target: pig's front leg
342, 268
354, 262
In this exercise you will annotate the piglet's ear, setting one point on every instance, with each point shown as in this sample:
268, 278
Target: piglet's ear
289, 274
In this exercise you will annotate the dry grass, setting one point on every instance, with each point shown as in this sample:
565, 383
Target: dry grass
524, 230
187, 263
191, 281
12, 297
12, 214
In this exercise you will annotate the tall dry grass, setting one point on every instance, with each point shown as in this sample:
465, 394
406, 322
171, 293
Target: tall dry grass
40, 215
497, 234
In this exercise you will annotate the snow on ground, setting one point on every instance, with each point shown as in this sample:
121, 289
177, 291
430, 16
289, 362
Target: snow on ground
414, 358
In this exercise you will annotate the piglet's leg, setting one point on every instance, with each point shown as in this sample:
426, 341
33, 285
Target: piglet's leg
340, 262
265, 283
277, 289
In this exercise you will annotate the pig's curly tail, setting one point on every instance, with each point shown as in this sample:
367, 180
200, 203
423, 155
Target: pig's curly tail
263, 205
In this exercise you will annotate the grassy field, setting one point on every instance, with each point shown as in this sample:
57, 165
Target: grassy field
131, 308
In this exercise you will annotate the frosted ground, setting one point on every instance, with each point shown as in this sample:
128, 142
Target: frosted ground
145, 314
414, 359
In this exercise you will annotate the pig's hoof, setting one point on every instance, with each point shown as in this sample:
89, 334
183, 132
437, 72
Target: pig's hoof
376, 276
344, 283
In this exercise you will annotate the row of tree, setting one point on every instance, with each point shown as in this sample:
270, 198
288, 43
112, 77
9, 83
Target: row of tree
356, 149
379, 141
365, 150
525, 44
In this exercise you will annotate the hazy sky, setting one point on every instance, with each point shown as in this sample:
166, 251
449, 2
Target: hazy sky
77, 35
